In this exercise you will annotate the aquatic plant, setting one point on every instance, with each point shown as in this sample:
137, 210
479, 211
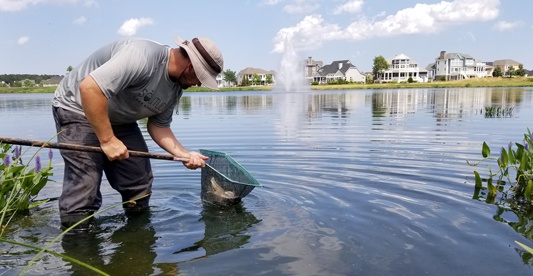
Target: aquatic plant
20, 184
515, 167
510, 187
498, 112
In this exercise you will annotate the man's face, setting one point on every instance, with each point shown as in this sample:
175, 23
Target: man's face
188, 78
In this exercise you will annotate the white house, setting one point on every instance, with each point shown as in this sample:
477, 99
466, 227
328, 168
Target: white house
267, 77
456, 66
341, 69
401, 68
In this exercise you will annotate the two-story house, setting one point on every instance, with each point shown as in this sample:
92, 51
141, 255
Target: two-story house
265, 77
341, 69
506, 64
401, 69
457, 66
311, 67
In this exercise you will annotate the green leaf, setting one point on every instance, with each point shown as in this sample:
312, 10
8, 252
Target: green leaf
512, 158
479, 184
492, 189
504, 159
485, 151
529, 189
523, 163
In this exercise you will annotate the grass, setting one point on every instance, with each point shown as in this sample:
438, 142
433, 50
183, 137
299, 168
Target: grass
486, 82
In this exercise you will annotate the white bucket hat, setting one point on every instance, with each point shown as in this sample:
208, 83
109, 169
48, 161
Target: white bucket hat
206, 59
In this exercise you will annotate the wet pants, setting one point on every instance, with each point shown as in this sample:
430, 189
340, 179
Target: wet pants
81, 196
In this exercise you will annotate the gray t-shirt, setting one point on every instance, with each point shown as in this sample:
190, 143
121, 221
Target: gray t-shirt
133, 75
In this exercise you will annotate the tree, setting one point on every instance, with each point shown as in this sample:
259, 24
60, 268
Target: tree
497, 72
230, 77
269, 79
256, 79
69, 69
511, 72
245, 81
521, 72
380, 65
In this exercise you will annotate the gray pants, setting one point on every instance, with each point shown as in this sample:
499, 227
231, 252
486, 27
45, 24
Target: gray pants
81, 195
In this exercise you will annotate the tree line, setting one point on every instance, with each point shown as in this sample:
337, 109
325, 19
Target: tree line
14, 79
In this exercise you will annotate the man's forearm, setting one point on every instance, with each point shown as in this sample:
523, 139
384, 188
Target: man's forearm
165, 138
94, 105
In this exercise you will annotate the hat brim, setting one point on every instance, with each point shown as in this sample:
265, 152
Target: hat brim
204, 75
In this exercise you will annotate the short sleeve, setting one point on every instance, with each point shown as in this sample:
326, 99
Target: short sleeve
127, 67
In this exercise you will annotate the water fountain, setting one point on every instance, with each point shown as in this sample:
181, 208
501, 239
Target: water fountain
291, 73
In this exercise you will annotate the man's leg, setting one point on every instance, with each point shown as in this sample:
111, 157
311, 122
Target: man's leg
131, 177
81, 195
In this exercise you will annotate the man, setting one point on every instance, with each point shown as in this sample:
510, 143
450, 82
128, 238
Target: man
98, 104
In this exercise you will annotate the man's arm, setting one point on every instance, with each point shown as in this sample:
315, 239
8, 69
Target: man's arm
94, 105
165, 138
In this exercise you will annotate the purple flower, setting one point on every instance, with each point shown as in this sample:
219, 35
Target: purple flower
50, 154
16, 154
37, 163
7, 160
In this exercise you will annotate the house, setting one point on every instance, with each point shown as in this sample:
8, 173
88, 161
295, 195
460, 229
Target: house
221, 82
339, 70
311, 67
457, 66
264, 77
53, 81
401, 69
506, 64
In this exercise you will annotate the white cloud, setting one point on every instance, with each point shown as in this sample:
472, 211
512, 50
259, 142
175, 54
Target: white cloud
23, 40
307, 34
301, 6
420, 19
131, 26
353, 6
505, 25
80, 20
17, 5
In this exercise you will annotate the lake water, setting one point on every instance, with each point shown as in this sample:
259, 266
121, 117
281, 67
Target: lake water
354, 182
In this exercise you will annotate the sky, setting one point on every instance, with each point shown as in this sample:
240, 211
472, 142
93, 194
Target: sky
48, 36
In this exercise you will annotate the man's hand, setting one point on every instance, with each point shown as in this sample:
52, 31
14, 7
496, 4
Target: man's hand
114, 149
196, 160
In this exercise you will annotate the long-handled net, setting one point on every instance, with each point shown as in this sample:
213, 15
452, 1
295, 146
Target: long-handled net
224, 181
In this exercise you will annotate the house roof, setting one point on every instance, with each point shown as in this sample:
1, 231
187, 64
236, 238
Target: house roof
251, 71
457, 55
506, 62
334, 67
401, 56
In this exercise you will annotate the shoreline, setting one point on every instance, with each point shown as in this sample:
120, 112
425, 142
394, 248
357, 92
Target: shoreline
487, 82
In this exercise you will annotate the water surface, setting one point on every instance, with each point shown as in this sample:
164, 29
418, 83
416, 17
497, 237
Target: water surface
354, 183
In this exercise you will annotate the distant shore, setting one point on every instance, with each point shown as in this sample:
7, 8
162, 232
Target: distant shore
486, 82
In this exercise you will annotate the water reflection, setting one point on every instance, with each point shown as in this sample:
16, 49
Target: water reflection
225, 229
132, 245
356, 182
112, 250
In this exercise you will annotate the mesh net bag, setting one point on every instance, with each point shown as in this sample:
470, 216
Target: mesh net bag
224, 181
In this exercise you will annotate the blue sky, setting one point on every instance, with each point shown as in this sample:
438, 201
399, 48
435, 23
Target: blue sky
46, 36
